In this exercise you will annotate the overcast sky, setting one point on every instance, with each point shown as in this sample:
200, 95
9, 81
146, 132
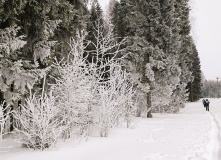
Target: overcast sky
207, 29
207, 34
103, 3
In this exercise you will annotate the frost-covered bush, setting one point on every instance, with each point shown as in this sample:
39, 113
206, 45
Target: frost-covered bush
113, 87
93, 94
73, 89
3, 118
115, 100
40, 121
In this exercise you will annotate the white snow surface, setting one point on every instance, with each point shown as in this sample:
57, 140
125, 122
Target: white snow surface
193, 134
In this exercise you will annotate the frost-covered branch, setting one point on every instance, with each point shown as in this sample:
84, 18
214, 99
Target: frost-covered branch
9, 41
116, 101
106, 49
3, 118
74, 90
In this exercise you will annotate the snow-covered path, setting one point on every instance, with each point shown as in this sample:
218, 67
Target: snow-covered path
193, 134
215, 139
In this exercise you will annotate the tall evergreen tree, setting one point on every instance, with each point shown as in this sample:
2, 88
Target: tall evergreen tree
95, 23
74, 15
120, 19
195, 86
149, 26
108, 14
135, 20
159, 39
13, 74
182, 20
167, 74
49, 26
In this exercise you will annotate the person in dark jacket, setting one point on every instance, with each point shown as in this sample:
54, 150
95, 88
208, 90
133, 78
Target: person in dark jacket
207, 104
204, 102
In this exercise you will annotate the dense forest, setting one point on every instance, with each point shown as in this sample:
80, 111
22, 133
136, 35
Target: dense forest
69, 69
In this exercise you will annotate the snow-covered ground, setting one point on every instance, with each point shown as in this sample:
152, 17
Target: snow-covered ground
193, 134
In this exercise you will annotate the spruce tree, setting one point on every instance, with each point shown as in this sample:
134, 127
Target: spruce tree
135, 20
120, 19
39, 29
182, 20
73, 15
14, 76
108, 14
158, 37
165, 65
195, 86
95, 23
49, 26
153, 47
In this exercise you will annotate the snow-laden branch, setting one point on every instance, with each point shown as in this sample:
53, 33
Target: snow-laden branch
9, 41
4, 115
116, 101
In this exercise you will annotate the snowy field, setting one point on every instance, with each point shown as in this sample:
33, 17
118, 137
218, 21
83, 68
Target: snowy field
193, 134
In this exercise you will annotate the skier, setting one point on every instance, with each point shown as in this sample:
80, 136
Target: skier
204, 102
207, 104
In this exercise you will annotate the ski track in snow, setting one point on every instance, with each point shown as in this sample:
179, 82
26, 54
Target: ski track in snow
215, 138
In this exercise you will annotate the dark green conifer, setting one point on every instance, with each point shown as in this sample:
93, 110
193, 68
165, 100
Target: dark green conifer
95, 28
195, 87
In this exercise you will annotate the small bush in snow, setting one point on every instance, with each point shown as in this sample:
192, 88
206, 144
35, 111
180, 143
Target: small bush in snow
40, 121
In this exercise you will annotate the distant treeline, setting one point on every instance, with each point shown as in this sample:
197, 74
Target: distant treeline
212, 89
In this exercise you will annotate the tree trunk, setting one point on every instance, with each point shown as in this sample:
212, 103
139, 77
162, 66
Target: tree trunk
191, 91
1, 98
146, 80
149, 105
